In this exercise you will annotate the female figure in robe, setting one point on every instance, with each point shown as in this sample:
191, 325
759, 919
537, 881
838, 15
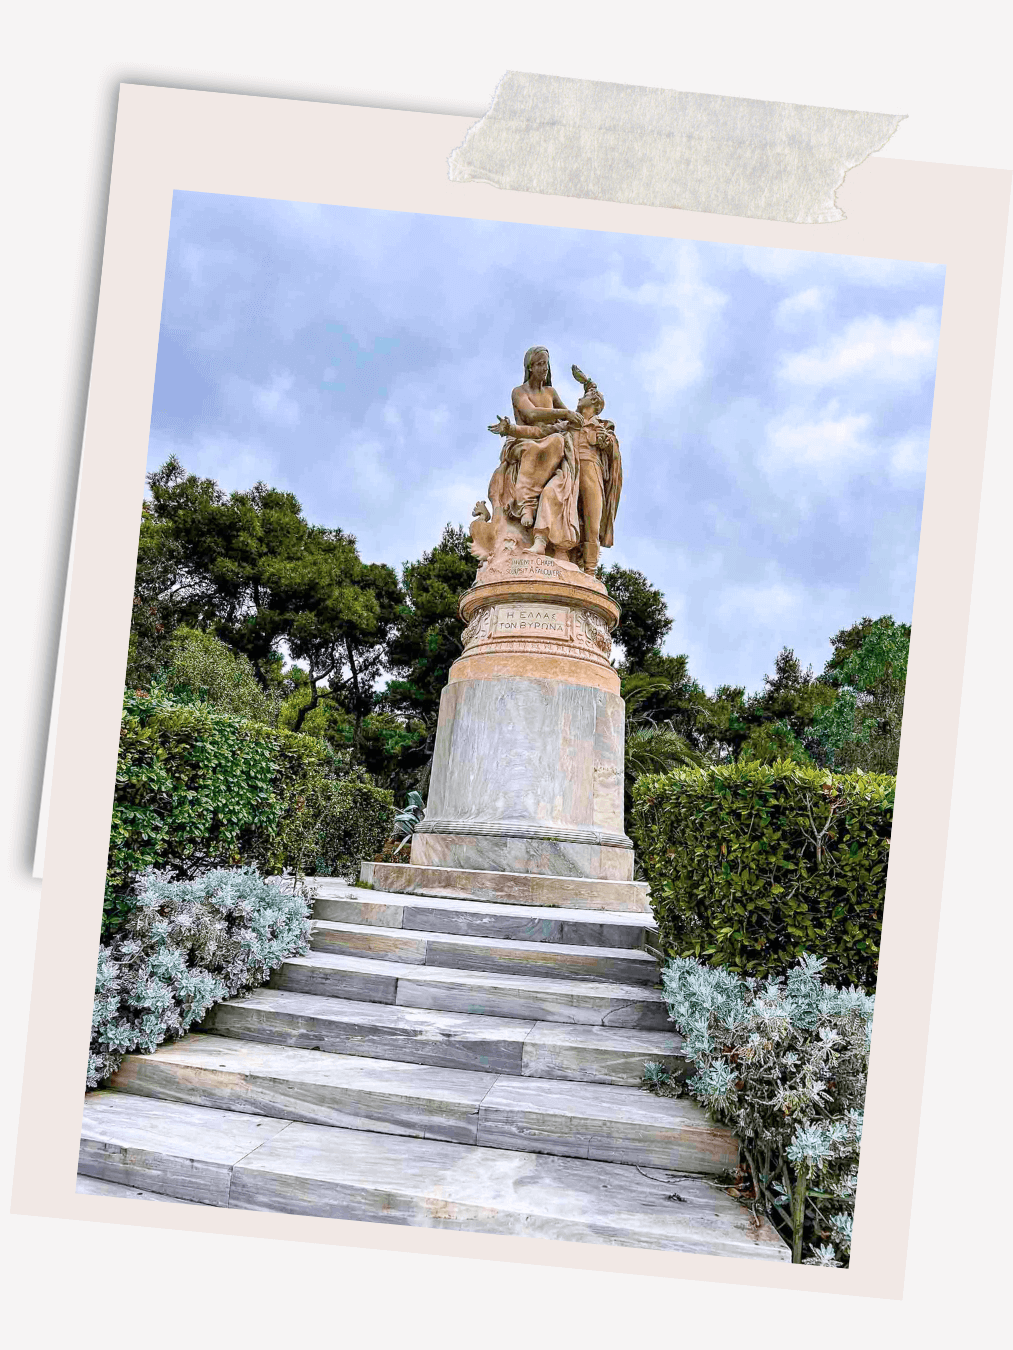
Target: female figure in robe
537, 479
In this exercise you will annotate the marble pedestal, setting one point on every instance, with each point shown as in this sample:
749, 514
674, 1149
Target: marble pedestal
527, 778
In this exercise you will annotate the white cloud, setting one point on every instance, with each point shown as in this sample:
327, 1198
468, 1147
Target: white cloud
902, 351
832, 442
774, 264
908, 458
674, 362
809, 301
800, 453
236, 464
393, 420
449, 499
362, 469
783, 264
772, 599
433, 420
682, 309
274, 405
270, 402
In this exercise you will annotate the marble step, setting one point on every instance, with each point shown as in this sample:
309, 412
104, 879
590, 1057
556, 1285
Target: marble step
95, 1186
338, 902
543, 889
533, 997
454, 951
136, 1141
134, 1145
527, 1049
464, 1106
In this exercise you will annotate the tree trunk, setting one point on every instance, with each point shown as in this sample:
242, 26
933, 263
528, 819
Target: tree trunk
313, 703
356, 700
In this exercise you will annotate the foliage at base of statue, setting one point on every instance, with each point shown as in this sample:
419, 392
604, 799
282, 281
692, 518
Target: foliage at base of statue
185, 946
389, 851
784, 1063
196, 789
407, 821
750, 865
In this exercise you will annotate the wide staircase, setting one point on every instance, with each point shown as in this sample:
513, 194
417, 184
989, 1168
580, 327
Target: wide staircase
441, 1063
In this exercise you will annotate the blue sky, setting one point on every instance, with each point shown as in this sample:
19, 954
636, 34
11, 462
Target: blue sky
773, 406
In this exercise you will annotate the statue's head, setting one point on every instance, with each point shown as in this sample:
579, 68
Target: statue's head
529, 361
590, 404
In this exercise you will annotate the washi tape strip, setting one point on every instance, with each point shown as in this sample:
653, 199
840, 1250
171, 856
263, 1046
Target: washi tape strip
660, 147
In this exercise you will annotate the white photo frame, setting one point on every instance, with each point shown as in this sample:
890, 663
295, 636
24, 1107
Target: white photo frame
176, 139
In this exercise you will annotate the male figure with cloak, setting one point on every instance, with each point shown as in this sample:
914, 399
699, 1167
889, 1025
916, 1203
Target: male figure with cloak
600, 473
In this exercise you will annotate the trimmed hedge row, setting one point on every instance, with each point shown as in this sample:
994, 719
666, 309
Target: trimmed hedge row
751, 865
197, 789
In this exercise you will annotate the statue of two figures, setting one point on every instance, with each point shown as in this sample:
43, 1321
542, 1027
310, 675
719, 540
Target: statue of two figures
556, 489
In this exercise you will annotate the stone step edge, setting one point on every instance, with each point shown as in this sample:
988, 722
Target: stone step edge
100, 1156
309, 1004
410, 899
458, 989
635, 955
685, 1111
368, 965
547, 891
89, 1185
525, 1047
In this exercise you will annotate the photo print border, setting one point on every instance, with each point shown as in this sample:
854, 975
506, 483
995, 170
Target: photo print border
168, 139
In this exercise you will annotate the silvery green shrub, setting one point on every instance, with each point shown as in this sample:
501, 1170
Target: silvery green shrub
784, 1063
186, 946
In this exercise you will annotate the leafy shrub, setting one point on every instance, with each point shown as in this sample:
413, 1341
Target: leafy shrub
185, 946
750, 865
784, 1064
197, 789
356, 820
202, 670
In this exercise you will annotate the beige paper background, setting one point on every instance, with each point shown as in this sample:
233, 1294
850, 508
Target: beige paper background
170, 139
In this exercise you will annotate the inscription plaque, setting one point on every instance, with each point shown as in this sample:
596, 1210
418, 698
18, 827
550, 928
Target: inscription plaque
532, 619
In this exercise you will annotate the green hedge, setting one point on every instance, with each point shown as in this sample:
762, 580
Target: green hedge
750, 865
197, 789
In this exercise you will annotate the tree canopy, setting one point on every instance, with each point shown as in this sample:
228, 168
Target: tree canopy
247, 567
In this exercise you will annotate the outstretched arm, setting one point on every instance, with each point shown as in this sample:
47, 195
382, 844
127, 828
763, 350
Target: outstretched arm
504, 427
528, 414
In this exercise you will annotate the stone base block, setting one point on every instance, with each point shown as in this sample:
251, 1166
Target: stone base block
506, 853
513, 888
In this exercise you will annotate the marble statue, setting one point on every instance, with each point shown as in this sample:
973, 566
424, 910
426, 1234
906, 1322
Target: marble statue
556, 489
